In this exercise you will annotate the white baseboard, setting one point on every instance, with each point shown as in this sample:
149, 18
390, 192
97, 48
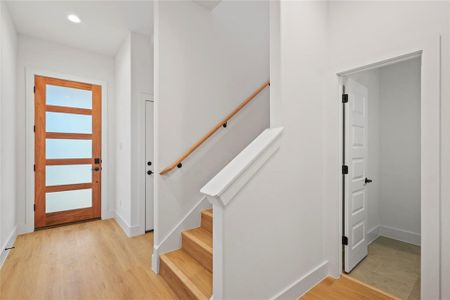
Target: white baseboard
25, 228
298, 288
155, 262
400, 235
129, 230
9, 243
108, 215
373, 234
172, 241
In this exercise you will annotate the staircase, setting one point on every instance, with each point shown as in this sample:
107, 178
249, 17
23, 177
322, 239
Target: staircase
188, 270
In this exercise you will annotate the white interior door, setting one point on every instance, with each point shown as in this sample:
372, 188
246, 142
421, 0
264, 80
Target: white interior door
149, 165
356, 151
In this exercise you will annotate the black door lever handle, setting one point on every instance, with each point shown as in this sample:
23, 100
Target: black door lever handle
149, 172
367, 180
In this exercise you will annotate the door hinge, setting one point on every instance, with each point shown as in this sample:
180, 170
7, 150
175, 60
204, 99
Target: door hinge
344, 169
34, 207
34, 89
34, 168
344, 98
34, 128
344, 240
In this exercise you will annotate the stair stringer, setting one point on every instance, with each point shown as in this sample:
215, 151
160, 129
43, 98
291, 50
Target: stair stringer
172, 241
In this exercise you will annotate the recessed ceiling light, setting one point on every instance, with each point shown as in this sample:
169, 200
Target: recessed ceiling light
74, 18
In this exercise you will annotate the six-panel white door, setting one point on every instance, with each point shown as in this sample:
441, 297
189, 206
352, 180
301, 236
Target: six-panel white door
356, 151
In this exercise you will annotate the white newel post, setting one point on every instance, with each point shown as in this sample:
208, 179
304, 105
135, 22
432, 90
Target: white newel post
226, 184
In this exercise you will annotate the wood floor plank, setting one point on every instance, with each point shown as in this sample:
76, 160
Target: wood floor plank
93, 260
96, 260
345, 288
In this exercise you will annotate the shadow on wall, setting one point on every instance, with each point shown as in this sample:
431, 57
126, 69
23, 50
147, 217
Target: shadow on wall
204, 163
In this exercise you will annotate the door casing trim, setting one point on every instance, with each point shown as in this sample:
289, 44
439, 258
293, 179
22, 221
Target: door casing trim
429, 49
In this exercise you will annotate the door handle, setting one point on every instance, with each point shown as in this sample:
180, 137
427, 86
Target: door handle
96, 169
367, 180
149, 172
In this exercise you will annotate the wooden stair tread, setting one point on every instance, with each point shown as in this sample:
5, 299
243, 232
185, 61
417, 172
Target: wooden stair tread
200, 236
194, 277
198, 243
188, 271
208, 212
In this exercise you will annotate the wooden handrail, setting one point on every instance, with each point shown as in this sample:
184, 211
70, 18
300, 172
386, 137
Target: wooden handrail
223, 122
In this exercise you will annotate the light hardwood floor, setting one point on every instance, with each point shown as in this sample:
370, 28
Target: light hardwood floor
96, 260
391, 266
93, 260
345, 288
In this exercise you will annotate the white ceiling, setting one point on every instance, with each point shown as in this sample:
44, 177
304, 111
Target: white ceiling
104, 26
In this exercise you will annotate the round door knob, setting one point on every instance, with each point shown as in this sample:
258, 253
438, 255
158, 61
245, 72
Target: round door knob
149, 163
149, 172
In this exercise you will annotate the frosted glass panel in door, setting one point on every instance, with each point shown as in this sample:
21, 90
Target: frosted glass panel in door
68, 123
64, 96
67, 200
68, 174
56, 148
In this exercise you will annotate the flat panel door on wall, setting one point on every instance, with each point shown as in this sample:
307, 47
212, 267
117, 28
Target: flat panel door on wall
149, 143
356, 152
67, 151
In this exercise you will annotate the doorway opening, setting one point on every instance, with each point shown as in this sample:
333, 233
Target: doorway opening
382, 177
68, 158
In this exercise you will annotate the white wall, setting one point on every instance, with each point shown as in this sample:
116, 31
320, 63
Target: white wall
141, 82
133, 76
275, 225
209, 61
8, 131
445, 188
122, 78
394, 150
39, 55
300, 186
36, 54
375, 31
400, 148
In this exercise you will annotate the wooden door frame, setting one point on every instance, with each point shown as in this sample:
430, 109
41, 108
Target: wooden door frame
28, 225
42, 218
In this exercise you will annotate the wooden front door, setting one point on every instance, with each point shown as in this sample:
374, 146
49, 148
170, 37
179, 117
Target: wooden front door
67, 151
